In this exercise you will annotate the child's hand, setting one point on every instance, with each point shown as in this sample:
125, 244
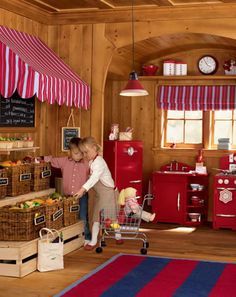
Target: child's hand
80, 193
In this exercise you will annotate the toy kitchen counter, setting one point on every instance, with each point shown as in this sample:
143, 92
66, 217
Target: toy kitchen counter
180, 195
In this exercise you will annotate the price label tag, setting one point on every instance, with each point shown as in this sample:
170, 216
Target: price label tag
57, 214
25, 176
3, 181
39, 220
74, 208
45, 173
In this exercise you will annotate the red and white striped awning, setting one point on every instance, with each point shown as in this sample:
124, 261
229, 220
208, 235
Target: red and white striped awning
203, 97
29, 66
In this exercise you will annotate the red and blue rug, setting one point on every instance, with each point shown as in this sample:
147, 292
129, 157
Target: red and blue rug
147, 276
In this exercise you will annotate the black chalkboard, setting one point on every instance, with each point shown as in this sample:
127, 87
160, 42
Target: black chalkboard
17, 112
67, 134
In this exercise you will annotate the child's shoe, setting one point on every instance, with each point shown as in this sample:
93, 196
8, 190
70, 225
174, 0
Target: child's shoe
89, 247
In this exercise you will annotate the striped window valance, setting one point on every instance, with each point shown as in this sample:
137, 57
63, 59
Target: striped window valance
218, 97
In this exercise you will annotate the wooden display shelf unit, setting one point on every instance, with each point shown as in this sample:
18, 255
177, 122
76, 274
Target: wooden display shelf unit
5, 151
21, 198
19, 258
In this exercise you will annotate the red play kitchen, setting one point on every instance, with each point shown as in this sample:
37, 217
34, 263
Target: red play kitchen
224, 206
181, 194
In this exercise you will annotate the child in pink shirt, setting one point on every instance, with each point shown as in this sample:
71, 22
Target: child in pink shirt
75, 172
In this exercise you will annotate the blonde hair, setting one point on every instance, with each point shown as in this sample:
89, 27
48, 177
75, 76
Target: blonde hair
126, 193
91, 142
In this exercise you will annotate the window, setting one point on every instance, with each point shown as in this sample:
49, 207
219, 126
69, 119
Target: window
184, 128
224, 126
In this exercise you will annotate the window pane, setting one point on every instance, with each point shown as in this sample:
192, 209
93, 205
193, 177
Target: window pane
234, 133
197, 114
234, 113
175, 131
223, 129
175, 114
223, 114
193, 132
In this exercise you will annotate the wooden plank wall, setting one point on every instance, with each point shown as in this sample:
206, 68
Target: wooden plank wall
88, 49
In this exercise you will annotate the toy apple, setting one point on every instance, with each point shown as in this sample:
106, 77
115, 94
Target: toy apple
108, 222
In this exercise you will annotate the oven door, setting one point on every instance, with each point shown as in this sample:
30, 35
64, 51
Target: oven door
225, 208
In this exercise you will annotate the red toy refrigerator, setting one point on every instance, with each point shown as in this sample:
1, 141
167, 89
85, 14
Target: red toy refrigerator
125, 161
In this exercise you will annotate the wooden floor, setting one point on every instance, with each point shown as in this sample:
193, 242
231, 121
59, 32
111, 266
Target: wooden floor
165, 240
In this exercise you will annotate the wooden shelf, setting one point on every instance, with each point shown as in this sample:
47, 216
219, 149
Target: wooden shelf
189, 77
17, 149
13, 200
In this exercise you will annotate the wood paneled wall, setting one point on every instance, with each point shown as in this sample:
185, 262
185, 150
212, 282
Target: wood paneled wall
88, 49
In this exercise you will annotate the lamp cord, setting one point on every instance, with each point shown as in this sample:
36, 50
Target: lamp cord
132, 17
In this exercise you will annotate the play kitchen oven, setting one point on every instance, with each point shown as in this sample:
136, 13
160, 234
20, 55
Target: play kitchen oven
224, 205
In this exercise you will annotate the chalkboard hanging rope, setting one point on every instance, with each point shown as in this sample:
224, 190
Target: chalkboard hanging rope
71, 116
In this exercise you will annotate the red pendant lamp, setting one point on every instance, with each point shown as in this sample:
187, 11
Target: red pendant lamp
133, 87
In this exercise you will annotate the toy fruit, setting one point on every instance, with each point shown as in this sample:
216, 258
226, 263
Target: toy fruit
115, 226
108, 222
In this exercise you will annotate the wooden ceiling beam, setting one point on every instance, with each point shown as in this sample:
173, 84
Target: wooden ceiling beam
162, 2
120, 15
29, 11
148, 14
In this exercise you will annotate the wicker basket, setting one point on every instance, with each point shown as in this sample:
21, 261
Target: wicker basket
54, 215
19, 179
71, 211
41, 173
21, 224
3, 183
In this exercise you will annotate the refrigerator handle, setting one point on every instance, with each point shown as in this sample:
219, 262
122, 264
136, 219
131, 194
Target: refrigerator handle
178, 201
135, 181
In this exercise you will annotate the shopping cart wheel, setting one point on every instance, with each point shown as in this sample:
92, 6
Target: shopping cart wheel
146, 244
103, 243
143, 251
99, 250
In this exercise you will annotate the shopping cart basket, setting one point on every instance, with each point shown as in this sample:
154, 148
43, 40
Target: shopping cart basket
117, 224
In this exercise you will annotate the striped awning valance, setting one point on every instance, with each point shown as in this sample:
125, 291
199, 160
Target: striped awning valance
218, 97
29, 66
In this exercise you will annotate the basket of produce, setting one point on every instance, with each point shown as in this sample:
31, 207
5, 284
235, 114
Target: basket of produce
23, 221
71, 211
54, 211
19, 177
41, 173
3, 182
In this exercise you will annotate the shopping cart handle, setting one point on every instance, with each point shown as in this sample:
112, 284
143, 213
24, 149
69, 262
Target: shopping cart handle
148, 197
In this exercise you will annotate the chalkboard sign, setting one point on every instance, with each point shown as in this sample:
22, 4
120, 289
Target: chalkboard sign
67, 134
17, 112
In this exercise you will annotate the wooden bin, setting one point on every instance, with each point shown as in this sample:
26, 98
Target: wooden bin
18, 259
71, 211
41, 173
19, 179
21, 224
3, 183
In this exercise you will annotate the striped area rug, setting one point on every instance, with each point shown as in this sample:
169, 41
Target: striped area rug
146, 276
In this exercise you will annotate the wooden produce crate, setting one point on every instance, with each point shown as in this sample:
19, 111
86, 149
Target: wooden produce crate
19, 179
18, 259
3, 183
21, 224
71, 211
41, 173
